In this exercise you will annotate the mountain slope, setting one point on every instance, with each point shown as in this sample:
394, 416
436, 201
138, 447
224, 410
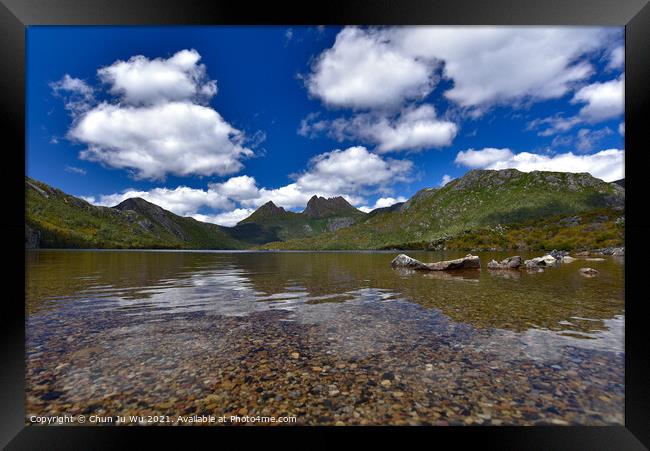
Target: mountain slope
193, 233
55, 219
479, 199
273, 223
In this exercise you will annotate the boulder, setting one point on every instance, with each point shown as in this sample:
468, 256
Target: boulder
588, 272
546, 260
610, 251
404, 261
567, 259
467, 262
558, 254
507, 263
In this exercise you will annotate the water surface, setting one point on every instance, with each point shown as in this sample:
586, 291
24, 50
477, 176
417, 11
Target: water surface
328, 337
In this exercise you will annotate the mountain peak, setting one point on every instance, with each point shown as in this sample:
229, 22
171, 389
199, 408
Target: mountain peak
266, 211
137, 204
320, 207
271, 207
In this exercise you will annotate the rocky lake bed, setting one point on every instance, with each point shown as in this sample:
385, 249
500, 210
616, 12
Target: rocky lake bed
336, 338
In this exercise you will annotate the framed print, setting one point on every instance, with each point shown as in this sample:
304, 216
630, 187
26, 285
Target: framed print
350, 218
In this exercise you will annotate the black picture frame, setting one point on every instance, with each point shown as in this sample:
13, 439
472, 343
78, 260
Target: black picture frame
16, 15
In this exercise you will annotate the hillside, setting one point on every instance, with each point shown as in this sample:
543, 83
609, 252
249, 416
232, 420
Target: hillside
273, 223
593, 229
55, 219
481, 210
479, 199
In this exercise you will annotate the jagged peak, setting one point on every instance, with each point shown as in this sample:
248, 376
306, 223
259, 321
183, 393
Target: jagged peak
320, 207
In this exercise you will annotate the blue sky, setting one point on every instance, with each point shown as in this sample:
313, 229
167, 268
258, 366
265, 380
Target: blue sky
212, 122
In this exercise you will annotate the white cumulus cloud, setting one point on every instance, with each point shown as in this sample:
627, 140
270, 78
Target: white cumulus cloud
182, 200
607, 165
383, 202
141, 80
227, 218
496, 65
243, 187
180, 138
158, 122
352, 173
385, 72
363, 69
482, 158
603, 100
379, 67
414, 128
353, 170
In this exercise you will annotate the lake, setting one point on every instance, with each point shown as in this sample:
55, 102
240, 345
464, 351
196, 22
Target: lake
326, 337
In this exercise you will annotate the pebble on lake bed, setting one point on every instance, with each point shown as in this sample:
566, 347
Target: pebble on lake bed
589, 272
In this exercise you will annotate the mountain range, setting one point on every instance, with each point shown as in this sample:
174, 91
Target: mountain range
55, 219
466, 211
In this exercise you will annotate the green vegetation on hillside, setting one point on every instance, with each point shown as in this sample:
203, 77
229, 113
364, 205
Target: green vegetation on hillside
273, 223
484, 209
591, 230
475, 201
57, 220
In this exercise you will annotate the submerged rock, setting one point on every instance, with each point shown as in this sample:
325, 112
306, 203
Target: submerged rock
546, 260
507, 263
467, 262
588, 272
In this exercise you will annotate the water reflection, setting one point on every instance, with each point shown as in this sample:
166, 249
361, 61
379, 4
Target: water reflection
239, 283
